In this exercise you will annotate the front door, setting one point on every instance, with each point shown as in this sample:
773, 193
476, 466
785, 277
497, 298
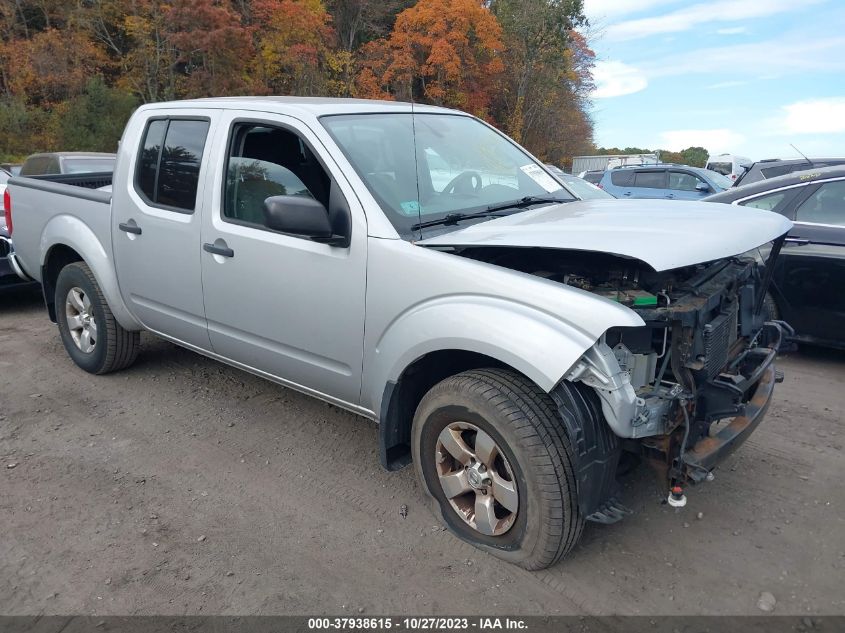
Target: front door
156, 225
284, 305
811, 268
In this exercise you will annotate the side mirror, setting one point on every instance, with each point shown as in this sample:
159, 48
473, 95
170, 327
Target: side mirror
298, 215
702, 187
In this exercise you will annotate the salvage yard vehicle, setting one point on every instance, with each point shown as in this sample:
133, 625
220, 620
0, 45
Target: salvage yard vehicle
774, 167
8, 275
728, 165
509, 340
808, 280
52, 163
578, 187
673, 182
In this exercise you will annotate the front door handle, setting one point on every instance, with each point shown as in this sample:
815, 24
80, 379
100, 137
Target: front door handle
796, 241
627, 193
130, 227
223, 251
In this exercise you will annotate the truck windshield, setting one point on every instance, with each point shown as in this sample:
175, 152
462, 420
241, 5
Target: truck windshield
461, 165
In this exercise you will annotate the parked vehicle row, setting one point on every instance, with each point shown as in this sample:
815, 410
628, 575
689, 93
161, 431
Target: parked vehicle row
510, 339
808, 286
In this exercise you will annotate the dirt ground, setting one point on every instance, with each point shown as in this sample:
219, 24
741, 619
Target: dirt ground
182, 486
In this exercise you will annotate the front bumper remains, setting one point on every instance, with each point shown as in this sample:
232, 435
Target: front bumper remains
711, 450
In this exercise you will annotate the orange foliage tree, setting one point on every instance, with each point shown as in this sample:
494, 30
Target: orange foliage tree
446, 52
294, 44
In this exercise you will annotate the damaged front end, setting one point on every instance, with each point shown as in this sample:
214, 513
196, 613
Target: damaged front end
688, 387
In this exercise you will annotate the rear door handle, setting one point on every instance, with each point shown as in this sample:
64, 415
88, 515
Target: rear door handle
130, 227
223, 251
670, 196
627, 193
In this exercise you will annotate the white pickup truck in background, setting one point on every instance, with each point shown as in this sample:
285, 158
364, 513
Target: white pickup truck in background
511, 340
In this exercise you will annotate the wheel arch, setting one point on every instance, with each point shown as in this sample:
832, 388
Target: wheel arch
402, 395
67, 239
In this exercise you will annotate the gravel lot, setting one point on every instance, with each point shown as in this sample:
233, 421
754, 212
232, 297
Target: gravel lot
183, 486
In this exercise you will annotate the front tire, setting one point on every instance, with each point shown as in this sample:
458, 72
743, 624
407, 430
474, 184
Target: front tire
490, 450
93, 338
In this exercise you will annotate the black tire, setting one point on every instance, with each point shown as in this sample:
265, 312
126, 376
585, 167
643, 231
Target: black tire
522, 420
115, 348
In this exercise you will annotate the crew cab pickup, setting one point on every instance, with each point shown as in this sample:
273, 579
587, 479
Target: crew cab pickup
415, 266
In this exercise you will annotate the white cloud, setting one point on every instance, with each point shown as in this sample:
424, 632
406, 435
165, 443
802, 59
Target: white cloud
614, 79
779, 56
616, 8
812, 116
715, 141
726, 84
702, 13
733, 30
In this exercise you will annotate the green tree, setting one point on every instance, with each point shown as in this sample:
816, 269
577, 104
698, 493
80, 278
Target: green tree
94, 120
694, 156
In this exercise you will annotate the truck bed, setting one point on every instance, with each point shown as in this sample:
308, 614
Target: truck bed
68, 203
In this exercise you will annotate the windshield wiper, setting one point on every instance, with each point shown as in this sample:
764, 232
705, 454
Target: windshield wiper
494, 210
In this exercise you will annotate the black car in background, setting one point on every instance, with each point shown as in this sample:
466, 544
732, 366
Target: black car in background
808, 284
774, 167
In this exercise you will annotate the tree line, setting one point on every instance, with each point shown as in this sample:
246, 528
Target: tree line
72, 71
693, 156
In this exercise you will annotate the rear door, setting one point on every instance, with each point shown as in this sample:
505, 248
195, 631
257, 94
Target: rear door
649, 183
156, 224
811, 269
280, 304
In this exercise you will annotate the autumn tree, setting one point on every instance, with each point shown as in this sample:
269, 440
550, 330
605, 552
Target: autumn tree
547, 77
293, 44
71, 71
445, 52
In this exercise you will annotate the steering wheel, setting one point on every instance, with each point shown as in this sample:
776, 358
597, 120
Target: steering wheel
467, 182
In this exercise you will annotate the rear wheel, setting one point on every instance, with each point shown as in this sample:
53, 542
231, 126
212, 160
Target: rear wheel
91, 335
492, 453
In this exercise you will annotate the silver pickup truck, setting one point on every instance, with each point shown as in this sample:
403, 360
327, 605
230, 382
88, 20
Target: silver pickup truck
415, 266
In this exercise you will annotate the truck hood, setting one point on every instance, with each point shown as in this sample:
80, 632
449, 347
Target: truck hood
665, 234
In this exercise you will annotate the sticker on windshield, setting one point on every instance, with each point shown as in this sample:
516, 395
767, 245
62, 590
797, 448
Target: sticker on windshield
411, 207
536, 173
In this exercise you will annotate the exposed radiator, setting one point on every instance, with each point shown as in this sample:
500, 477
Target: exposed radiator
719, 335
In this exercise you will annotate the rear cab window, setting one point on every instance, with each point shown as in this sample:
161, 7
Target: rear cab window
168, 167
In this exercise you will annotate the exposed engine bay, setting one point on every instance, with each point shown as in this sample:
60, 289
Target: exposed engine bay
696, 361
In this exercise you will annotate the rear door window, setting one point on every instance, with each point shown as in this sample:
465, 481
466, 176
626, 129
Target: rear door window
650, 179
825, 206
169, 165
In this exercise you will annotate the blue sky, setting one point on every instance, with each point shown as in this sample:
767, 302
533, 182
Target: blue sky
746, 77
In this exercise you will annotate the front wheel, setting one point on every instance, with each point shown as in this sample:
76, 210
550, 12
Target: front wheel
93, 338
490, 450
